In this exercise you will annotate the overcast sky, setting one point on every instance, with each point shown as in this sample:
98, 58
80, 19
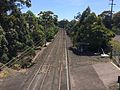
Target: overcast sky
69, 8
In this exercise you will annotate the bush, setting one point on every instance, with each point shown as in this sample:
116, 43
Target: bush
4, 58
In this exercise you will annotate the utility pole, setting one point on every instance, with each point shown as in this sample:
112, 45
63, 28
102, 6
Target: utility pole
111, 11
111, 15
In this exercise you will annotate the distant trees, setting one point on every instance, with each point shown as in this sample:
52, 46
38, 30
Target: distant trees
19, 31
49, 21
63, 23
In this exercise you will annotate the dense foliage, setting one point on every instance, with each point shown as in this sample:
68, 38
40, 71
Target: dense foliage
64, 24
88, 32
111, 23
116, 23
20, 31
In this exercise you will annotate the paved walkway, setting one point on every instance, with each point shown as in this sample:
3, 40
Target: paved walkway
107, 72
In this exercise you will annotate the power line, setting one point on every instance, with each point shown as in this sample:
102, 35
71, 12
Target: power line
17, 57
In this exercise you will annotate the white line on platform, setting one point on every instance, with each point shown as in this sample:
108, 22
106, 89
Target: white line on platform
115, 65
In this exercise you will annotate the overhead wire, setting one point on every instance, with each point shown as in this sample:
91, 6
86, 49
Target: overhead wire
26, 51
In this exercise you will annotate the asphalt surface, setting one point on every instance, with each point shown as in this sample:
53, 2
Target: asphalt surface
58, 68
82, 74
108, 73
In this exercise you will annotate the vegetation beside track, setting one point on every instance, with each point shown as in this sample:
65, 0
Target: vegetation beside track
23, 32
91, 32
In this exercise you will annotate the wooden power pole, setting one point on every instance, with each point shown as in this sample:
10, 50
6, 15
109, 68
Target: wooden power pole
112, 5
111, 15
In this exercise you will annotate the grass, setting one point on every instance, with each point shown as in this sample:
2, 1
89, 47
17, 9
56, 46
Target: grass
116, 52
4, 74
114, 86
115, 44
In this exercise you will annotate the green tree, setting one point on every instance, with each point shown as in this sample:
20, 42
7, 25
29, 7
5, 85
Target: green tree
3, 46
7, 5
12, 27
116, 23
85, 14
48, 20
63, 24
106, 19
90, 30
20, 31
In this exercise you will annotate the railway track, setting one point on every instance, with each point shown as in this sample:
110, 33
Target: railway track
40, 61
52, 67
41, 67
52, 64
56, 83
47, 71
50, 71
